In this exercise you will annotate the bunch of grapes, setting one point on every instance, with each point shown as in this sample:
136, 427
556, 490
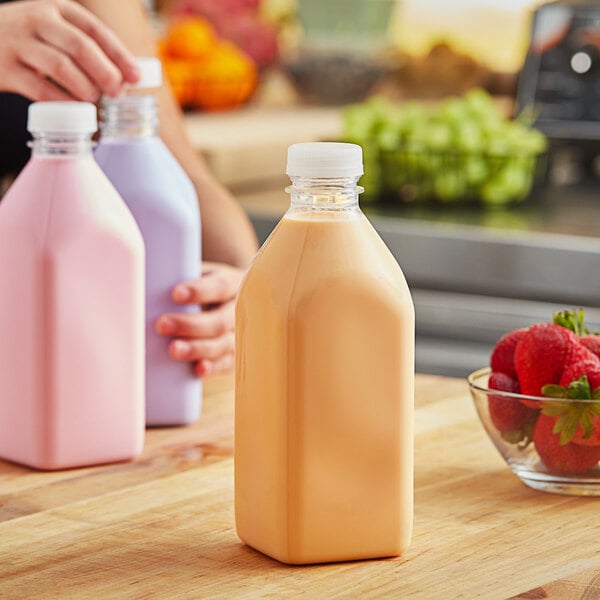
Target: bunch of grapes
463, 148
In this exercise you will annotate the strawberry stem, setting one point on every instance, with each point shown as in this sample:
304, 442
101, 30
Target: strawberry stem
571, 414
572, 320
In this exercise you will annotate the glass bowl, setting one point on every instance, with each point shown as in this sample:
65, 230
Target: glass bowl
521, 455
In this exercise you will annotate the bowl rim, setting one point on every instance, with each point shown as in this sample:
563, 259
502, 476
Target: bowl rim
474, 375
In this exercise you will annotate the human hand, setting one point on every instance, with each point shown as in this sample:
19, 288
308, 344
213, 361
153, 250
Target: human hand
205, 338
58, 50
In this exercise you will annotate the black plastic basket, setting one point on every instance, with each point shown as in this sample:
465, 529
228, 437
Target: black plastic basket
409, 175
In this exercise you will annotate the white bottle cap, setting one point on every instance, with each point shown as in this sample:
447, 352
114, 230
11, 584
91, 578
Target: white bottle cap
324, 159
150, 73
62, 117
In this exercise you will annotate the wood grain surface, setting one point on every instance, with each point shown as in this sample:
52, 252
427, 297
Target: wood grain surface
162, 526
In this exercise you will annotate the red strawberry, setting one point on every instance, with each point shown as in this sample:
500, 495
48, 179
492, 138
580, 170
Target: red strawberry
566, 458
593, 440
541, 355
578, 418
592, 343
502, 359
588, 367
579, 353
507, 414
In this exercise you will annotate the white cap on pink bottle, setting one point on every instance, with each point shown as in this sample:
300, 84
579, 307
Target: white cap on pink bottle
62, 117
324, 160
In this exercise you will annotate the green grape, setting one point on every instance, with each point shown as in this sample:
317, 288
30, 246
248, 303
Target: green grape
529, 142
388, 138
411, 115
449, 186
498, 145
476, 169
469, 137
439, 136
481, 105
516, 176
453, 110
493, 193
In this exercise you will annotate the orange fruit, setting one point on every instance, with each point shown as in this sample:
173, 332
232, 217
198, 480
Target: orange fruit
179, 74
190, 38
225, 79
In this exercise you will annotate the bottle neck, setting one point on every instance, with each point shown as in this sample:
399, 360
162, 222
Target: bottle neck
59, 145
324, 194
129, 117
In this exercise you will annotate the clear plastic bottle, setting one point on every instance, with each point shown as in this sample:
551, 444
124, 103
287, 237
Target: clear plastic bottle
324, 377
164, 203
71, 304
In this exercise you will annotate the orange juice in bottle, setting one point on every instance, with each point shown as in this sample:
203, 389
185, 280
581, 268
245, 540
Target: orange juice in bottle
324, 377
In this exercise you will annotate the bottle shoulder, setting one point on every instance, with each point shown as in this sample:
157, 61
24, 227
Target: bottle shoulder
300, 260
147, 170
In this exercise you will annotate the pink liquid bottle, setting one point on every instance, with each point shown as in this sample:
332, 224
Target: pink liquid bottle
164, 203
71, 304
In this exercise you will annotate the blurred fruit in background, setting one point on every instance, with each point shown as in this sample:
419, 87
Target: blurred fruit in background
190, 39
462, 149
342, 52
441, 72
205, 71
242, 22
495, 33
448, 47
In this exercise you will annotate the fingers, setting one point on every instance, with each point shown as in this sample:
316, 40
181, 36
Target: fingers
111, 46
206, 338
208, 324
44, 58
205, 368
214, 287
66, 47
82, 56
29, 84
197, 349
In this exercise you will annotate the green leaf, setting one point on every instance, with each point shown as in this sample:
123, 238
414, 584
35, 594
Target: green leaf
570, 416
579, 389
566, 425
572, 320
554, 409
587, 424
554, 391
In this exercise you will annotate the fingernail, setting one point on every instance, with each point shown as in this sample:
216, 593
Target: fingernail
166, 326
181, 349
182, 293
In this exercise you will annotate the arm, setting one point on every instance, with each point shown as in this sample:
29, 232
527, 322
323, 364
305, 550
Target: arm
227, 234
205, 338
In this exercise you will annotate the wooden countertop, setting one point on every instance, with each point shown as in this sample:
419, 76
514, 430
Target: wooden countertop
163, 527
